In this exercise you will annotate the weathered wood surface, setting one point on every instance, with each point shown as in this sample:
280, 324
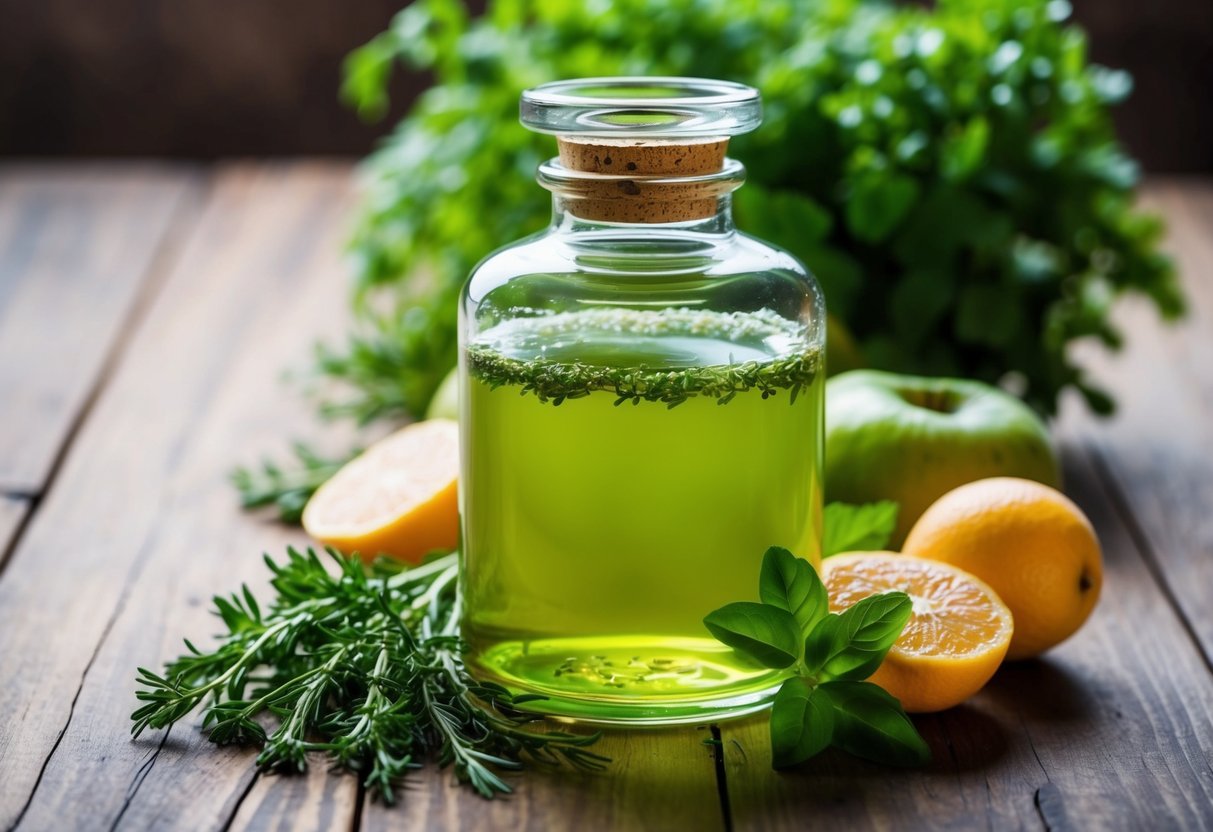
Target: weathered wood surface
1157, 455
195, 289
658, 780
77, 254
133, 538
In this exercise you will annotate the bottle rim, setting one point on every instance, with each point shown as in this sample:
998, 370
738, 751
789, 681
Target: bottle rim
640, 107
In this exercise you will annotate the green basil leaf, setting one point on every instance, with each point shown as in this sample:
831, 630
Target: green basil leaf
802, 723
870, 723
852, 644
766, 634
866, 527
878, 203
790, 583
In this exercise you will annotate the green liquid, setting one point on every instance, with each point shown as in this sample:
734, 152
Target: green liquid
597, 535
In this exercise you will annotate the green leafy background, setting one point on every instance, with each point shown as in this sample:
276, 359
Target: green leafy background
950, 175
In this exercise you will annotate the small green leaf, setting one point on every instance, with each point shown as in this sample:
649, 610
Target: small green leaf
961, 152
788, 218
766, 634
849, 528
790, 583
802, 723
365, 76
851, 645
878, 203
988, 314
918, 303
870, 723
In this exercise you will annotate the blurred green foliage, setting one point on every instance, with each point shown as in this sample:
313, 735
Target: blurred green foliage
950, 174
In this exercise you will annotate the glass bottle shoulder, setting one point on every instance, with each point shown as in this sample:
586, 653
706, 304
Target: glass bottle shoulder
553, 272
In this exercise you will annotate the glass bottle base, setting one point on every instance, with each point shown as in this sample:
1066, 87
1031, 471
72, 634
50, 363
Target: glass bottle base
629, 680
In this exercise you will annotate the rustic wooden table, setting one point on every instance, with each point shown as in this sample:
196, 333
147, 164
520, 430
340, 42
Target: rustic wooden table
146, 315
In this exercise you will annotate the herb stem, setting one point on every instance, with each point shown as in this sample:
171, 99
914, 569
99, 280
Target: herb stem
364, 665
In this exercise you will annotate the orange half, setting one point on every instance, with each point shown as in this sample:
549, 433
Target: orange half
957, 635
399, 498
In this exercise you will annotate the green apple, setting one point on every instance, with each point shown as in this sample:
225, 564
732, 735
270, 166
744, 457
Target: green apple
913, 439
445, 404
842, 348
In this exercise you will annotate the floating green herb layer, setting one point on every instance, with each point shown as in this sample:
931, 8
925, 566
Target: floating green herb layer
793, 363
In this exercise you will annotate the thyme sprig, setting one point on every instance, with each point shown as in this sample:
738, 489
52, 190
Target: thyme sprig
363, 665
287, 488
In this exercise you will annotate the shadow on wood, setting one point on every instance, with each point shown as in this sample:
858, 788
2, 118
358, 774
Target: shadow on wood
1042, 690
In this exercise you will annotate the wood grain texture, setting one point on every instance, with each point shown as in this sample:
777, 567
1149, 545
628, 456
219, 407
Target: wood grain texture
1108, 731
141, 526
312, 802
657, 780
76, 248
1158, 449
12, 514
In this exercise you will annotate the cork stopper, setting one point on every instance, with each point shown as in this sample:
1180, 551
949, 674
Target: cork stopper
641, 149
628, 193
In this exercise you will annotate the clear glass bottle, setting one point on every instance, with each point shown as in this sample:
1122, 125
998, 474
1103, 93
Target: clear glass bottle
641, 394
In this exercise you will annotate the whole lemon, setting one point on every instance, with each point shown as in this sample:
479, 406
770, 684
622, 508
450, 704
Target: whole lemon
1030, 543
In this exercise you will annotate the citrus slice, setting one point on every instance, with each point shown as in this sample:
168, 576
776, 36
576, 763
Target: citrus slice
957, 635
399, 498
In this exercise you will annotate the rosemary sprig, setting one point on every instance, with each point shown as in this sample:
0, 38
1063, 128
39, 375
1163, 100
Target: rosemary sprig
363, 665
287, 489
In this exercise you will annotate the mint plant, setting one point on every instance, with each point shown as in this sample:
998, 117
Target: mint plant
826, 701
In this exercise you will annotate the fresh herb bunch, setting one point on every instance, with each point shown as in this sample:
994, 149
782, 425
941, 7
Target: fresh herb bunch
287, 488
826, 702
362, 665
950, 174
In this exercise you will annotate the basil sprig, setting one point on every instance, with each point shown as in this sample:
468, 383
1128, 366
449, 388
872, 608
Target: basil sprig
826, 703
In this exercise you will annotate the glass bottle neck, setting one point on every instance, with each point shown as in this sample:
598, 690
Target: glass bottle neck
566, 223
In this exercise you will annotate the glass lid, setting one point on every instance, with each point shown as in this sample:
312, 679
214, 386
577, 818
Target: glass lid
640, 107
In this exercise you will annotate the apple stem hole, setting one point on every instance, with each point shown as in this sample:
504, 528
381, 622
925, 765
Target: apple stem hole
941, 401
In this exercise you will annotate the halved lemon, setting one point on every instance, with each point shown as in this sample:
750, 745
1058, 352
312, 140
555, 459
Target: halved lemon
957, 635
399, 498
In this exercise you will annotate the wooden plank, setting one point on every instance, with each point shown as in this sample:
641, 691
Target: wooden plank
76, 246
657, 780
313, 802
141, 526
1157, 449
1108, 731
